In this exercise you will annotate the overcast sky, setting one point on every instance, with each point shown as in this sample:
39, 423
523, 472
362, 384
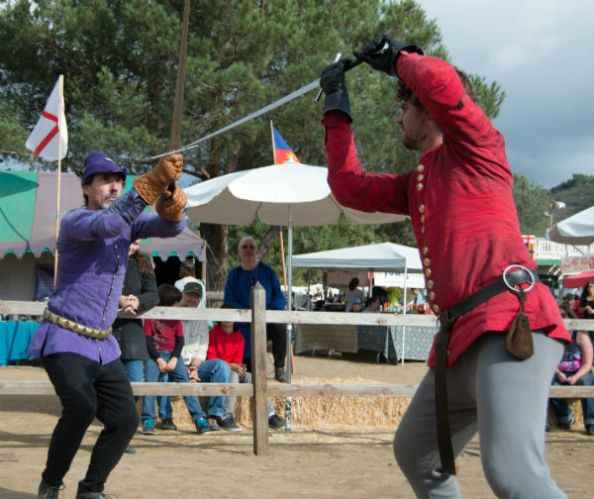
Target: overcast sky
542, 54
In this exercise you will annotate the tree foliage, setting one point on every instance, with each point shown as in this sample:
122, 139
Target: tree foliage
120, 58
533, 203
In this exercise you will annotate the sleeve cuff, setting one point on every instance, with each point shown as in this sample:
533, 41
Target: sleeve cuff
335, 119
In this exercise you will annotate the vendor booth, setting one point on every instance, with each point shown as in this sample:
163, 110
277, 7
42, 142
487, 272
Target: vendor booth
393, 343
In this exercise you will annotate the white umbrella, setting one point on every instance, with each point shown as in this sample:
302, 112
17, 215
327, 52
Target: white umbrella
577, 229
291, 194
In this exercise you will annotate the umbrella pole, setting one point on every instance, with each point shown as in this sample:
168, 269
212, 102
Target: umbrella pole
289, 357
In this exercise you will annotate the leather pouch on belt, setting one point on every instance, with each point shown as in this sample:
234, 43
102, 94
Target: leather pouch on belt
518, 339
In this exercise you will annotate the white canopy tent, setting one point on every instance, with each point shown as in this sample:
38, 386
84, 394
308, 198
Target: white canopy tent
372, 257
577, 229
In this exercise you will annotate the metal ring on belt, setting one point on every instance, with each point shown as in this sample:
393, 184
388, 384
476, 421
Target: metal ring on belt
513, 269
91, 332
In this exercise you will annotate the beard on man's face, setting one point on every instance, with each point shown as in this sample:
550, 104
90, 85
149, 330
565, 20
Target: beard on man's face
109, 200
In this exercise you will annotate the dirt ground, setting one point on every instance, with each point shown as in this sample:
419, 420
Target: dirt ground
327, 462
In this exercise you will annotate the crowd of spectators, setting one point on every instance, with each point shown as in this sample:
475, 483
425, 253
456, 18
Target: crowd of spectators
167, 350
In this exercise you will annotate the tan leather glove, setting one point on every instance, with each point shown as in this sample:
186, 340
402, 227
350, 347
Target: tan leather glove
171, 206
154, 183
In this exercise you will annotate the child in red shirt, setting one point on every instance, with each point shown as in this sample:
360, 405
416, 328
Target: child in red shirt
165, 340
225, 343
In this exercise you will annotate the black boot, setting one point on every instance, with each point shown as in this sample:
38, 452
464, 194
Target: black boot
46, 491
280, 374
91, 495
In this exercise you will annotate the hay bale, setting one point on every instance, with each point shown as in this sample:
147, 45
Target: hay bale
320, 411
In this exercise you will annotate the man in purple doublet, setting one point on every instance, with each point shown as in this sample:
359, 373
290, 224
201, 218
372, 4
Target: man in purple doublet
74, 342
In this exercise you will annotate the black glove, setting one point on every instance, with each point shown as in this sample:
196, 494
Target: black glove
334, 86
382, 53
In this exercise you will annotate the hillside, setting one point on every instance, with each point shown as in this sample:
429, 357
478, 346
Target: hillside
577, 193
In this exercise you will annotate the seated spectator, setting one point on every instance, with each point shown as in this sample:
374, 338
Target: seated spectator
238, 287
195, 332
194, 356
165, 340
227, 344
187, 273
575, 369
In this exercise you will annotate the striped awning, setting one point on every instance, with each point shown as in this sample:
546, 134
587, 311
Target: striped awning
28, 215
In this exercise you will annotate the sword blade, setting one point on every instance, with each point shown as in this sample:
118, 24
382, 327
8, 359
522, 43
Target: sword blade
256, 114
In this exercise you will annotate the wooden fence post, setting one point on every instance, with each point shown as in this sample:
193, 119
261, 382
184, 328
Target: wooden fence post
259, 416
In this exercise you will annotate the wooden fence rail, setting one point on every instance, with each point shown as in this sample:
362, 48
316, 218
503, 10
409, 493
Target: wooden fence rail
36, 309
259, 390
27, 388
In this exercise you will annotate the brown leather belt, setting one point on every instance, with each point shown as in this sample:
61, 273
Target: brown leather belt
508, 282
91, 332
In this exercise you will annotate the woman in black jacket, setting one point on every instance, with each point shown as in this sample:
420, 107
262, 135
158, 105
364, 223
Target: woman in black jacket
138, 295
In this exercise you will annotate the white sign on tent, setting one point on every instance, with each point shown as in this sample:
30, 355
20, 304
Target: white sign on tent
399, 280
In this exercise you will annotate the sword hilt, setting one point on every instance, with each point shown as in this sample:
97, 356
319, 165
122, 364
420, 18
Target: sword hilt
349, 64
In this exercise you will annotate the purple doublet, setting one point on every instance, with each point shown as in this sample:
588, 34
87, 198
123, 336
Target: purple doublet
93, 248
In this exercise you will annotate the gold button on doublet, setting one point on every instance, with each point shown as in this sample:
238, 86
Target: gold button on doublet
430, 284
421, 168
435, 308
422, 219
425, 250
420, 177
428, 272
419, 186
426, 262
432, 295
422, 208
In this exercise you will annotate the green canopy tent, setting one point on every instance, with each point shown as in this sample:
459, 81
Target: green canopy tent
27, 229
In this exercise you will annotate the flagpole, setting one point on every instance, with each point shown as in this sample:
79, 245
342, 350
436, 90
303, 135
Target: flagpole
59, 180
280, 234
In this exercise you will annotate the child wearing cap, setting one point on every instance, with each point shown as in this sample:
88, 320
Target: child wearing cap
199, 369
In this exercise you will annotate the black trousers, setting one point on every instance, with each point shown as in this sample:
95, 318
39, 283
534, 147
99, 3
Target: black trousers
278, 334
87, 390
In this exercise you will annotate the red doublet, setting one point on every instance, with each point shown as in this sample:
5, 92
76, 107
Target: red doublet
460, 203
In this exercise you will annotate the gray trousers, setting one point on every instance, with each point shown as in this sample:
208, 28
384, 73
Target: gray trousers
505, 400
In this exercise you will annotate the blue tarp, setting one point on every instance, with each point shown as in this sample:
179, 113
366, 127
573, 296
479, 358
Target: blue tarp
15, 337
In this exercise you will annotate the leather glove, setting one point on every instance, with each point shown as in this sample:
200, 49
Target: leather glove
333, 84
382, 53
170, 205
155, 182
